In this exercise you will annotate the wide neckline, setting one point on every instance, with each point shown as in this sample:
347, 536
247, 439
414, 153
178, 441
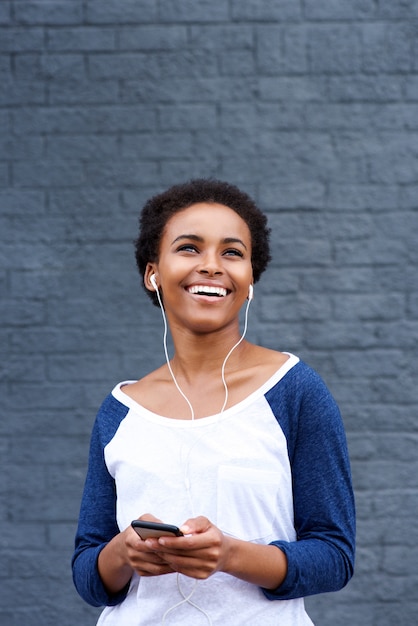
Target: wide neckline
137, 407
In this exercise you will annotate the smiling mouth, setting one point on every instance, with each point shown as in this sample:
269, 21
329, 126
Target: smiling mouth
204, 290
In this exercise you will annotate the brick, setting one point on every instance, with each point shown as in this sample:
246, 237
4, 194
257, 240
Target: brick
411, 88
21, 39
30, 66
306, 195
398, 9
292, 88
397, 558
89, 368
120, 173
48, 173
21, 313
131, 11
403, 333
340, 334
84, 92
371, 88
21, 534
386, 47
173, 170
412, 307
18, 148
187, 63
362, 197
353, 116
281, 335
4, 175
291, 308
81, 38
197, 116
237, 63
374, 475
123, 65
188, 89
5, 69
281, 10
401, 279
397, 116
13, 92
340, 10
345, 43
388, 445
152, 37
14, 201
393, 158
48, 12
192, 10
87, 200
314, 157
5, 12
281, 50
221, 37
30, 369
370, 307
408, 198
147, 145
99, 119
81, 147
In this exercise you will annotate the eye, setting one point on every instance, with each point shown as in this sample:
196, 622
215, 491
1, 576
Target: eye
233, 252
187, 247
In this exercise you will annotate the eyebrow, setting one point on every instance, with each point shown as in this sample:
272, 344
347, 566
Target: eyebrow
201, 240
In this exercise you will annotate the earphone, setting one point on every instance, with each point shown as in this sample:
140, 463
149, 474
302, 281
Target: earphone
250, 292
153, 281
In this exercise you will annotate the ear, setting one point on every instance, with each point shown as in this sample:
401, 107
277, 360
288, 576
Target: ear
150, 270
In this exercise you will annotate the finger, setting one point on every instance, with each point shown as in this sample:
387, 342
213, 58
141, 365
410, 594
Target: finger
148, 517
196, 525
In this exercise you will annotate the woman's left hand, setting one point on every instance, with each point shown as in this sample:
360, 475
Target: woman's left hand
205, 550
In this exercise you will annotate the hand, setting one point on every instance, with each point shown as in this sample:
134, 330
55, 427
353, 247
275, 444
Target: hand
201, 552
140, 555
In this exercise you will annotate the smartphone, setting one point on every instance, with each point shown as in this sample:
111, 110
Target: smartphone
155, 529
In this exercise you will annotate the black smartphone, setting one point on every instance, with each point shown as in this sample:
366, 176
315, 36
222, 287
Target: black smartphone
155, 529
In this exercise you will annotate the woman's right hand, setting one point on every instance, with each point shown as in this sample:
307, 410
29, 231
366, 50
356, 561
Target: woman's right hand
125, 554
140, 557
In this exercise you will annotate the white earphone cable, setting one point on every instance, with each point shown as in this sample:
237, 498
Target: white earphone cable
167, 357
187, 598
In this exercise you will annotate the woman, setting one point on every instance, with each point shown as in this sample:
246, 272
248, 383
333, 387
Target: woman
241, 446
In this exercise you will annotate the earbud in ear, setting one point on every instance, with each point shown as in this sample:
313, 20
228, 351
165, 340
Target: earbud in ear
250, 292
153, 281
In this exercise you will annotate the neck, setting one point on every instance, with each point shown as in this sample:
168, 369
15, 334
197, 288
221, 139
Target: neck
188, 361
205, 356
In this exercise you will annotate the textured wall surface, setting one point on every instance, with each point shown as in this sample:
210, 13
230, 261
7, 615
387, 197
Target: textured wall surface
312, 107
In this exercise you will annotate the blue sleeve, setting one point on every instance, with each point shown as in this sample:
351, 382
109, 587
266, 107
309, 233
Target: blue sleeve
322, 557
97, 520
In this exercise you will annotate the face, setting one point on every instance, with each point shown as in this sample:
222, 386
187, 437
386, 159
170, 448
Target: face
204, 268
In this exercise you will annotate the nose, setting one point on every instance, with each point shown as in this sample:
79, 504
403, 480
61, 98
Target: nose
210, 265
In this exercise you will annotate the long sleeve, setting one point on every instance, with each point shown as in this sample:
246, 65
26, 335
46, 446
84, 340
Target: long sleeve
97, 520
322, 558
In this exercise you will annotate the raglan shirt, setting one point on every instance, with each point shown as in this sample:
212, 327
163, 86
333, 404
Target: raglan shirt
272, 469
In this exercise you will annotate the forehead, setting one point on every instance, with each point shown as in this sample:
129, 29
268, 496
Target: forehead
208, 218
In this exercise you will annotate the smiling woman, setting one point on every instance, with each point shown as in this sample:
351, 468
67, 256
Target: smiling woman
203, 276
240, 446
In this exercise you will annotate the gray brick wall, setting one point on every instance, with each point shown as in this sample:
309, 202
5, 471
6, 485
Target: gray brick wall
310, 106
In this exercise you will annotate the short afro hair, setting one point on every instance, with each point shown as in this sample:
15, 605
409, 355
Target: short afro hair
161, 207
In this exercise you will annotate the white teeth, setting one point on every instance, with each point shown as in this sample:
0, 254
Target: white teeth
205, 289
